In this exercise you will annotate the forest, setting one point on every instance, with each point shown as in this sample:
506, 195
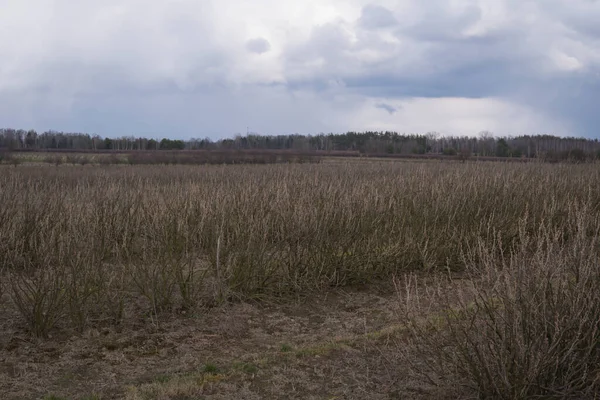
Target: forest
484, 144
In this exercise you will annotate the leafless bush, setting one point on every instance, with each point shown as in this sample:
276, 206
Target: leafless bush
54, 159
111, 294
40, 298
72, 159
110, 159
81, 159
163, 157
528, 323
185, 236
82, 284
9, 157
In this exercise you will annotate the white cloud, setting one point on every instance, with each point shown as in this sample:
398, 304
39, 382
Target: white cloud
459, 116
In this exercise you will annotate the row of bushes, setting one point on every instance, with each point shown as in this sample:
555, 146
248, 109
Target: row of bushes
247, 231
172, 158
7, 158
573, 156
219, 157
264, 157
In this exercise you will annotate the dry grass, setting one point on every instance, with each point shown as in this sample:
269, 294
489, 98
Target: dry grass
317, 348
88, 248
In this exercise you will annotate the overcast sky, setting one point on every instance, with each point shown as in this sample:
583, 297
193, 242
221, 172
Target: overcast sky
197, 68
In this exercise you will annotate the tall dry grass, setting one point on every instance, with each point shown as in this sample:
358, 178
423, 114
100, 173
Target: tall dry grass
88, 246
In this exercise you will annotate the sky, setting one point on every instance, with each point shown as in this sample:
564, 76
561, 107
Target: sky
216, 68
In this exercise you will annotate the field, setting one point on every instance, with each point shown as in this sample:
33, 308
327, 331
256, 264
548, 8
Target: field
163, 157
346, 279
226, 156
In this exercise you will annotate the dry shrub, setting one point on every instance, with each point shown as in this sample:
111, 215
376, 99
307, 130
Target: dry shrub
111, 296
72, 158
9, 157
167, 283
528, 324
81, 159
40, 298
187, 236
110, 159
200, 157
82, 285
54, 159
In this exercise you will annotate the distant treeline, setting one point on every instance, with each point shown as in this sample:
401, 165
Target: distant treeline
485, 144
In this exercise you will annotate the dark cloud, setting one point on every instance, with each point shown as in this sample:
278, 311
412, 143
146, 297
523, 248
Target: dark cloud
190, 68
546, 59
215, 111
258, 45
389, 108
438, 22
580, 16
471, 67
375, 17
570, 99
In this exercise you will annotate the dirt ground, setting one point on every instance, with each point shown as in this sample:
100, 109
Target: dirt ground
338, 345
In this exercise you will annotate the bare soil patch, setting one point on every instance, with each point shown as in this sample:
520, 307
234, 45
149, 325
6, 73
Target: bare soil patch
341, 344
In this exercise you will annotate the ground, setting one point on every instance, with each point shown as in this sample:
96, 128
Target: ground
345, 344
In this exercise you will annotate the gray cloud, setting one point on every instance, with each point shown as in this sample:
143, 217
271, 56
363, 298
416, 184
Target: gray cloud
439, 21
375, 17
389, 108
191, 69
258, 45
580, 16
531, 57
